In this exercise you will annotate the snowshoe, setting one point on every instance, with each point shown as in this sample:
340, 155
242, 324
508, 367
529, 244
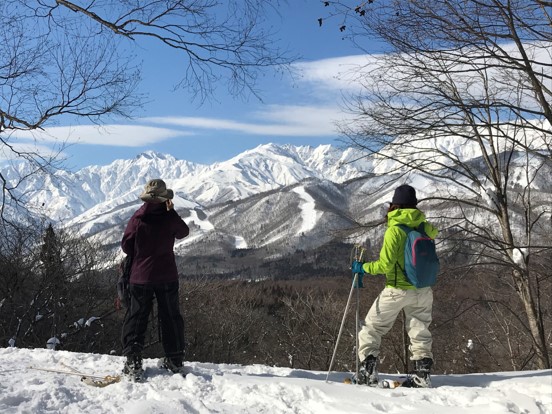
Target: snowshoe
386, 383
368, 372
133, 369
414, 381
421, 377
173, 365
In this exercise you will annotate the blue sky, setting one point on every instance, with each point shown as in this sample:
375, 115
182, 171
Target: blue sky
300, 110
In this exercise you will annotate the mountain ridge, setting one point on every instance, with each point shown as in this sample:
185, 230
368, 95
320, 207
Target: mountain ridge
66, 195
269, 202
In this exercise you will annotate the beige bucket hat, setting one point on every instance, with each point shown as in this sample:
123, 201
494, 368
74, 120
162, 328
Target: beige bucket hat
156, 191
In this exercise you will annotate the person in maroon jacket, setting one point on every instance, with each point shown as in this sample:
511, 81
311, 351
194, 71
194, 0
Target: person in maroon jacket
149, 239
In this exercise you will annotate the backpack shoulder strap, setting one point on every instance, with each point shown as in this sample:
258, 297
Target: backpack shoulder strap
407, 230
421, 228
404, 228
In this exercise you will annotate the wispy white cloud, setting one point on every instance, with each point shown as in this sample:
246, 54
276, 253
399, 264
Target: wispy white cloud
351, 74
109, 135
275, 120
338, 74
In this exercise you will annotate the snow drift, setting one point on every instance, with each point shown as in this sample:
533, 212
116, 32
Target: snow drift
211, 388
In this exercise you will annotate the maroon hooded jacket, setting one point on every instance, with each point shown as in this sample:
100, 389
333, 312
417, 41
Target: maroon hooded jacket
149, 238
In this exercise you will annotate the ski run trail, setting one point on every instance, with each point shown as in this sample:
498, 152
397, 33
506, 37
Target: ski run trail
26, 387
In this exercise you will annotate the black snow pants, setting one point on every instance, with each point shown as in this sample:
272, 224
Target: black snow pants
170, 319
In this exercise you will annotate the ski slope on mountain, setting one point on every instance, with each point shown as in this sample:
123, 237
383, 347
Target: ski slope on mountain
232, 389
309, 215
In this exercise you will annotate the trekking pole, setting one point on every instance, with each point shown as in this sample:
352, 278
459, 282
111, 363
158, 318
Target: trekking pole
357, 255
357, 319
341, 327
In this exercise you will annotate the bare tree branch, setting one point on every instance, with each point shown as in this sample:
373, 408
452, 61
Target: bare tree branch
476, 73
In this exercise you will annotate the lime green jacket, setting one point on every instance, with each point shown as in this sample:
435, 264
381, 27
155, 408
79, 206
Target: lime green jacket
391, 258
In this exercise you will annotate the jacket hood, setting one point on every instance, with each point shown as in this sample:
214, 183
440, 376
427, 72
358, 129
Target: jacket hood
411, 217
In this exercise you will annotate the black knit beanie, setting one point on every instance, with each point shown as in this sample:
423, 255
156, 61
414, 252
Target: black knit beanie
405, 195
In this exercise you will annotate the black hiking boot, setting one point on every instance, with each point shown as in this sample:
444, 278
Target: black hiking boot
173, 364
421, 377
133, 368
368, 372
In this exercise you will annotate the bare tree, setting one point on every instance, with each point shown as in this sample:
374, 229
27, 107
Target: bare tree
309, 322
65, 59
229, 334
51, 287
479, 74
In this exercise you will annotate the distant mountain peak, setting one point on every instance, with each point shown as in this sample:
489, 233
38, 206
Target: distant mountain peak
152, 155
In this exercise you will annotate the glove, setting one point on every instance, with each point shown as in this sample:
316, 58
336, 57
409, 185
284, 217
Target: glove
356, 266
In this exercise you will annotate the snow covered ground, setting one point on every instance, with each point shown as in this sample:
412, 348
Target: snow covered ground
211, 388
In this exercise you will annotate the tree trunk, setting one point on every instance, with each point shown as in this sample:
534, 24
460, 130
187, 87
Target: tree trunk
535, 327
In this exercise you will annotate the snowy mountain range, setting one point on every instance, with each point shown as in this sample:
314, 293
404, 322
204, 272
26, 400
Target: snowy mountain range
67, 195
262, 196
277, 198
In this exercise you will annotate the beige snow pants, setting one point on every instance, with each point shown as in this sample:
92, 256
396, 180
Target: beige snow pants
417, 305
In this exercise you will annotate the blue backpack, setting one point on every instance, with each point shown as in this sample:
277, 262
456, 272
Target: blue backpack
421, 264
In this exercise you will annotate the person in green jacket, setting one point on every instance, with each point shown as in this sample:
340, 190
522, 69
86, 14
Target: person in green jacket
397, 295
